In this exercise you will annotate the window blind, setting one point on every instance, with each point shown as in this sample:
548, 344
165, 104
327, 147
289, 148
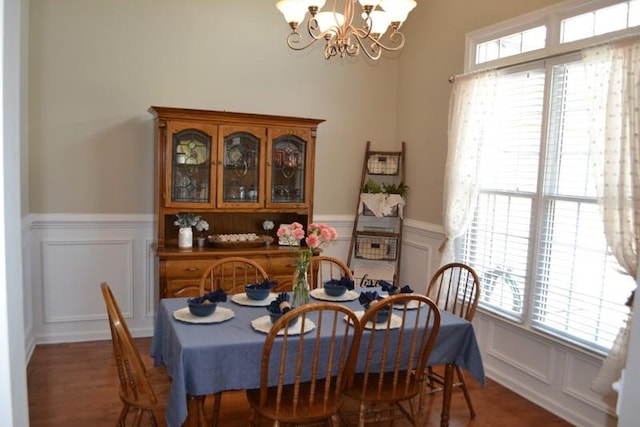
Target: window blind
498, 241
576, 293
537, 239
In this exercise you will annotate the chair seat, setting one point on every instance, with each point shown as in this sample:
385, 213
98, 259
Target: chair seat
384, 394
303, 412
160, 383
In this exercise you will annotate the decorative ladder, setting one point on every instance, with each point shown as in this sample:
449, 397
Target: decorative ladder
376, 240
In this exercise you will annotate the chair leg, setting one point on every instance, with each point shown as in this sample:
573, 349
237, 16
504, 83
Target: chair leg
201, 419
430, 377
138, 418
217, 399
252, 417
465, 391
361, 415
123, 415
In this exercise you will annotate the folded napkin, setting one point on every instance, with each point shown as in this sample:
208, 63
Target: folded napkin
216, 296
366, 298
387, 287
280, 304
344, 281
392, 289
406, 290
267, 284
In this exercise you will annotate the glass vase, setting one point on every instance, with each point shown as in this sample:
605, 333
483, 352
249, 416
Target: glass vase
301, 287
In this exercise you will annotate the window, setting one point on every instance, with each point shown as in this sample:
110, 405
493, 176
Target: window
512, 44
551, 31
601, 21
536, 238
537, 219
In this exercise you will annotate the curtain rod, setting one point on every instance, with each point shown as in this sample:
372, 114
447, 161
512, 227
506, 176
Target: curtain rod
452, 77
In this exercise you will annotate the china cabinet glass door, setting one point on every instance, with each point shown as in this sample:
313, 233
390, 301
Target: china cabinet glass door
190, 166
288, 170
240, 181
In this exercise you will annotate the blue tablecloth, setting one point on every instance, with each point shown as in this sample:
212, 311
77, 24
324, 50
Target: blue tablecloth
208, 358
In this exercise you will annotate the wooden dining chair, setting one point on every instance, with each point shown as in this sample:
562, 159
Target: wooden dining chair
323, 268
393, 358
231, 275
455, 288
142, 390
303, 375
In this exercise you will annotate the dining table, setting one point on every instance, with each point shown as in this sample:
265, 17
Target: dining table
224, 353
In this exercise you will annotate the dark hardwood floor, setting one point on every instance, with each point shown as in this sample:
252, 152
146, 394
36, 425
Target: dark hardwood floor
76, 385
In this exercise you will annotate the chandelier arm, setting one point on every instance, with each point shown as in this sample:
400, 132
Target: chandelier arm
293, 41
396, 38
373, 52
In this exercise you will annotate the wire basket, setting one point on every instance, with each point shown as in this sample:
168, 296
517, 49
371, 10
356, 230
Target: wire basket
376, 248
383, 164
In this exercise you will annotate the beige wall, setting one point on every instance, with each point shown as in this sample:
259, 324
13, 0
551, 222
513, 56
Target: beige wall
435, 50
96, 66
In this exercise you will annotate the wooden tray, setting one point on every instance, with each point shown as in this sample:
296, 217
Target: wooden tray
260, 241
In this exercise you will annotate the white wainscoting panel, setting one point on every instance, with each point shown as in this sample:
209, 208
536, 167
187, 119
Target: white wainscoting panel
71, 255
545, 371
420, 256
579, 374
523, 352
71, 269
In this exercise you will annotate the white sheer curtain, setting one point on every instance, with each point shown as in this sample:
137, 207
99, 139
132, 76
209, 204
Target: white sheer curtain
470, 121
615, 151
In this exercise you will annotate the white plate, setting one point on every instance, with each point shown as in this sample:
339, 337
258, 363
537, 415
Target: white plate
220, 315
396, 321
319, 293
412, 305
243, 299
263, 324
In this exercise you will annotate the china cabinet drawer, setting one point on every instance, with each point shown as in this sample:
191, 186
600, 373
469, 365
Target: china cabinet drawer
186, 269
181, 277
281, 265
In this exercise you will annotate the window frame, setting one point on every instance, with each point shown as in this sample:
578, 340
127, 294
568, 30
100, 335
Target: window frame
552, 54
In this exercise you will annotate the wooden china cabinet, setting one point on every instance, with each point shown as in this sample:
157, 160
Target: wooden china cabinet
236, 170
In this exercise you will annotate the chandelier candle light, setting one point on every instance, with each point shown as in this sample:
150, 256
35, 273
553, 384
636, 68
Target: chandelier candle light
344, 34
293, 234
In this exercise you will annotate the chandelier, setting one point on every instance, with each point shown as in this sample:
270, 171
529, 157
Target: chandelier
344, 35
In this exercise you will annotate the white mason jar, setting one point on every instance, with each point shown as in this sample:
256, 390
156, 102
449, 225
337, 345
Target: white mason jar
185, 237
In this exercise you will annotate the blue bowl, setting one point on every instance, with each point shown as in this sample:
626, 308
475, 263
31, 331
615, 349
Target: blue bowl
382, 315
256, 294
201, 309
275, 316
334, 290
